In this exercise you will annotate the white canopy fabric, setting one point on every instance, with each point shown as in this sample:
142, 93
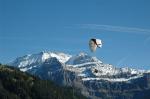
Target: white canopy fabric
94, 43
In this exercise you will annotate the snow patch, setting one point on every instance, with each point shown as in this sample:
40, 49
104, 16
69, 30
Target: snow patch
113, 79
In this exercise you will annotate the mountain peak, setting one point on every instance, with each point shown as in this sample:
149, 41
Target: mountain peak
39, 58
82, 58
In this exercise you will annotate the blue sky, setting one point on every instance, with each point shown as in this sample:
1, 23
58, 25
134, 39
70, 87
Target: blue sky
31, 26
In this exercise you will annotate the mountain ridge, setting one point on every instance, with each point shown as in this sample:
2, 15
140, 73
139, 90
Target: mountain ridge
78, 63
90, 75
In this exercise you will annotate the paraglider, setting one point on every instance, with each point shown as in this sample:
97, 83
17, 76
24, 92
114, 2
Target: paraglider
94, 43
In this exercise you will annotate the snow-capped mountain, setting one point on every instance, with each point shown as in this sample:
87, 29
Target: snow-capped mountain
80, 64
83, 71
30, 61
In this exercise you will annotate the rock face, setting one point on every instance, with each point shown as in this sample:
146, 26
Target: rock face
95, 79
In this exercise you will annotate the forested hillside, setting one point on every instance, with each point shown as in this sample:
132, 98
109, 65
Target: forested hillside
15, 84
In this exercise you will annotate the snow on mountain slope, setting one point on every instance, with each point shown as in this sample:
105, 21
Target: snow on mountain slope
83, 65
90, 68
113, 79
82, 58
82, 62
39, 58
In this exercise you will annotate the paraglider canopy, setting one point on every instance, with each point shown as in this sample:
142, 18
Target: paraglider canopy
94, 43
